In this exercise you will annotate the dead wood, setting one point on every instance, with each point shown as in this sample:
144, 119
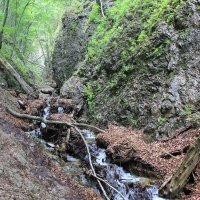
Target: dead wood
74, 125
20, 80
41, 119
165, 183
168, 153
180, 178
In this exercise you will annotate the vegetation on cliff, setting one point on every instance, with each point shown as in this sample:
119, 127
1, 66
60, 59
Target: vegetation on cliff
137, 63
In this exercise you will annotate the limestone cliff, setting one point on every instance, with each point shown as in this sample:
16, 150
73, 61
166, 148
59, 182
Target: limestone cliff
70, 46
141, 67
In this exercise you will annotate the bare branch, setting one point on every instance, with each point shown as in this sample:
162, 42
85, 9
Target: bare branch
109, 185
74, 125
41, 119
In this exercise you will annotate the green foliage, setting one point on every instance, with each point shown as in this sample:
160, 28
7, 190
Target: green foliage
95, 16
131, 120
194, 119
189, 109
148, 13
30, 27
161, 119
88, 92
142, 36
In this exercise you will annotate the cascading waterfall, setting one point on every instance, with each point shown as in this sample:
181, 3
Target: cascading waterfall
123, 181
45, 115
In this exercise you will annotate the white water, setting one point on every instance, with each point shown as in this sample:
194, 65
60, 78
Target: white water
60, 110
123, 181
45, 115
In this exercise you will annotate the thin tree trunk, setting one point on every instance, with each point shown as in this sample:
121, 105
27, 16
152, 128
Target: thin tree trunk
4, 22
15, 35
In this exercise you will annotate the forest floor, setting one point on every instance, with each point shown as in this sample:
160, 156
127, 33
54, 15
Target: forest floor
158, 159
27, 171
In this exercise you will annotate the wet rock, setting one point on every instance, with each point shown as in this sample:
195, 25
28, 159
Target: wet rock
3, 83
46, 89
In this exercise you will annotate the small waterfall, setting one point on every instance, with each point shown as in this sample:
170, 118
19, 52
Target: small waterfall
125, 182
60, 110
45, 115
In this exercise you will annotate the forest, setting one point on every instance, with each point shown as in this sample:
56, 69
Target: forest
100, 99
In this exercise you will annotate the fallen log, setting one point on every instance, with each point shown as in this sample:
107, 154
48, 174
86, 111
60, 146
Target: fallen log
74, 125
181, 176
12, 71
41, 119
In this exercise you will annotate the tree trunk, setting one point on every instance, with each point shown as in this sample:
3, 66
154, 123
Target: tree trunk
23, 84
16, 32
180, 178
4, 22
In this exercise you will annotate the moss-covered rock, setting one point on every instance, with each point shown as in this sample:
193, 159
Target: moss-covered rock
141, 65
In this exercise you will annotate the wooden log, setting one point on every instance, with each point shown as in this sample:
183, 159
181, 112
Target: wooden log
12, 71
41, 119
180, 178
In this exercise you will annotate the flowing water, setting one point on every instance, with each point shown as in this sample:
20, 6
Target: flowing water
129, 185
123, 181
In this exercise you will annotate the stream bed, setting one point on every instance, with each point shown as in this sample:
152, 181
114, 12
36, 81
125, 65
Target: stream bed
130, 186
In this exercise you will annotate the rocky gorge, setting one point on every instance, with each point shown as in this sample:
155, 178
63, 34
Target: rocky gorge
130, 68
147, 84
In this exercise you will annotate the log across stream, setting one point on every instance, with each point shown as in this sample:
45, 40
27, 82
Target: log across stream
129, 185
64, 141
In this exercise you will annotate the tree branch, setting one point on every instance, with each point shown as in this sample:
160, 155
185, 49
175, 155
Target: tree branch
102, 8
41, 119
108, 185
74, 125
90, 162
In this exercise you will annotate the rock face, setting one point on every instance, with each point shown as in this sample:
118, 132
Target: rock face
150, 87
70, 46
72, 88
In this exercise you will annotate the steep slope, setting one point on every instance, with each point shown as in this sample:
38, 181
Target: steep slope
142, 65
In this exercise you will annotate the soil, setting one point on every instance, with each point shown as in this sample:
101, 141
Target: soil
27, 171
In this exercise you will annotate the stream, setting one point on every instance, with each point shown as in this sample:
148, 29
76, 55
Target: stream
130, 186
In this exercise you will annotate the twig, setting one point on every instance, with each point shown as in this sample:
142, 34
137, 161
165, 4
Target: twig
41, 119
90, 161
165, 183
109, 185
168, 153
